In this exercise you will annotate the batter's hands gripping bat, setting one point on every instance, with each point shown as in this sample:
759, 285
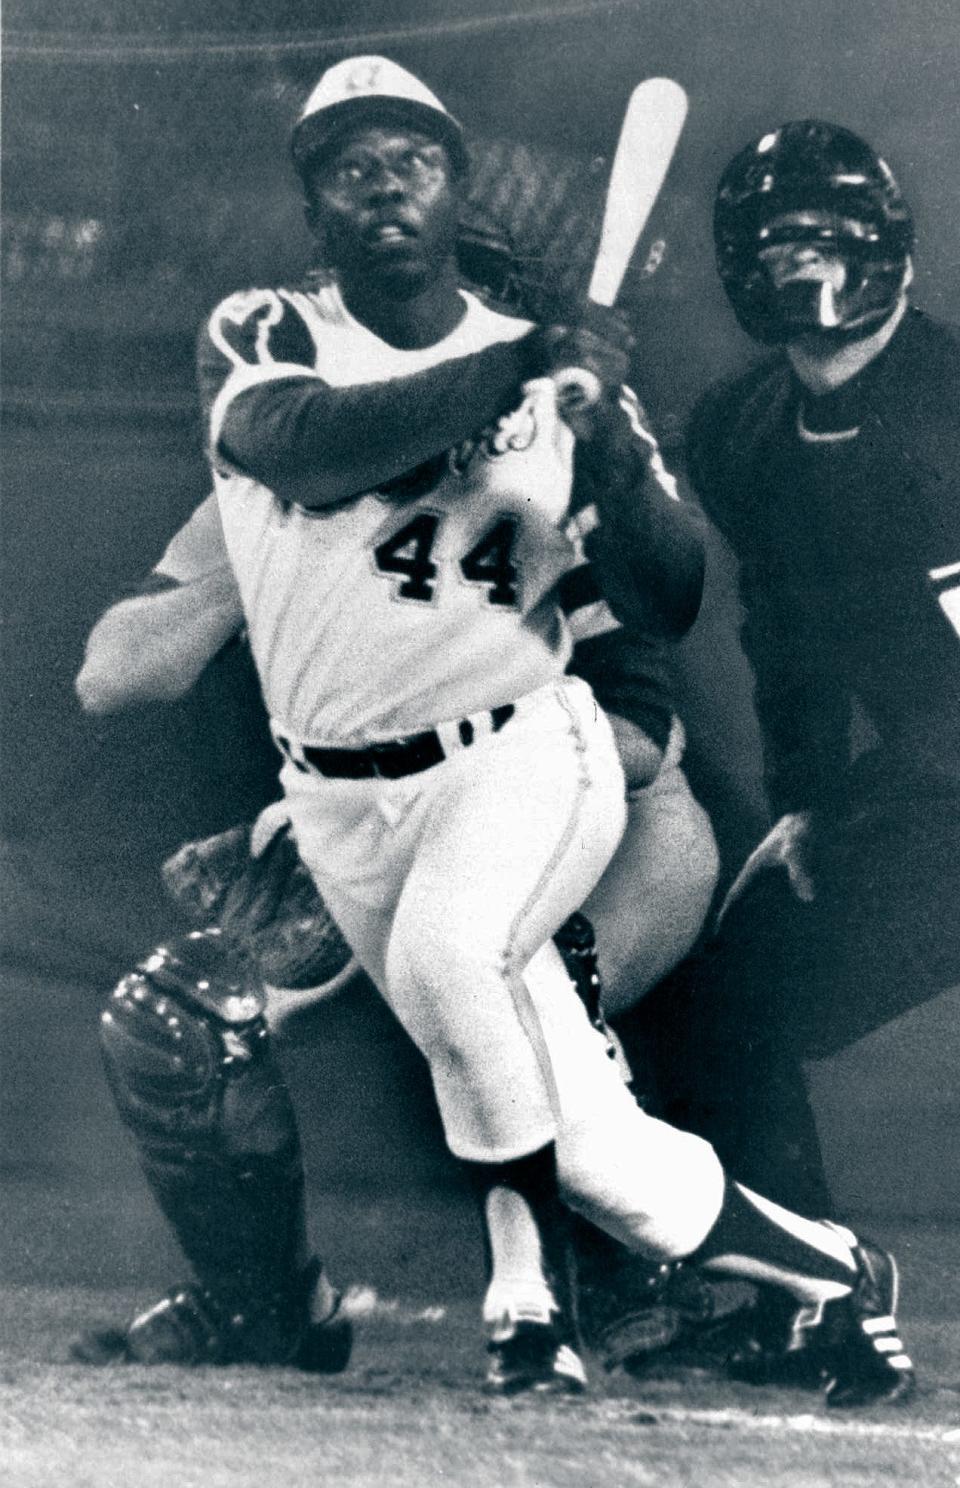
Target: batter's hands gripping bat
651, 127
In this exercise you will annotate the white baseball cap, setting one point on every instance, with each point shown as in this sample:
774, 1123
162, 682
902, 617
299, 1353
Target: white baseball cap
372, 88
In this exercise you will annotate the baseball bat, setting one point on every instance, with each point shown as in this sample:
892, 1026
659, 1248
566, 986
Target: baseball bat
652, 125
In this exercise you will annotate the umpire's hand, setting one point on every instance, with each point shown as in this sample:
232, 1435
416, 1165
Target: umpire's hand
785, 846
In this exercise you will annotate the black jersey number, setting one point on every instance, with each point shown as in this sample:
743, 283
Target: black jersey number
490, 562
407, 553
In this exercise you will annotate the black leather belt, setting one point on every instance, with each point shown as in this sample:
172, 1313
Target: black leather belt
392, 759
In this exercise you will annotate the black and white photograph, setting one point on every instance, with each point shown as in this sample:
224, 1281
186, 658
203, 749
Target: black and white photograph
480, 779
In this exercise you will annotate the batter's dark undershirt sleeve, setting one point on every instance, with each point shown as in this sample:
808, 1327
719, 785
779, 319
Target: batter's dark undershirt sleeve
651, 566
315, 445
628, 677
648, 550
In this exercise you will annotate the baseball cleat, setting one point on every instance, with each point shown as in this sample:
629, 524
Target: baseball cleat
183, 1327
190, 1326
869, 1362
533, 1357
850, 1346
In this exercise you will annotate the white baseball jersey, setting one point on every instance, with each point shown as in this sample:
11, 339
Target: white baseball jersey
388, 613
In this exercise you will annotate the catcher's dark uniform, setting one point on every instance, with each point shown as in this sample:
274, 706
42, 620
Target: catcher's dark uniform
842, 511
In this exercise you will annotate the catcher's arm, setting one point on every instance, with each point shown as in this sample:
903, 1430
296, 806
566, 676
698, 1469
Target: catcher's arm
153, 646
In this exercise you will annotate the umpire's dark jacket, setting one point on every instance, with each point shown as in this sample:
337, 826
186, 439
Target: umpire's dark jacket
844, 514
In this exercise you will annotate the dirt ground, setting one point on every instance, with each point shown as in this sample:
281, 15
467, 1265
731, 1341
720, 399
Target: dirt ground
410, 1410
81, 1242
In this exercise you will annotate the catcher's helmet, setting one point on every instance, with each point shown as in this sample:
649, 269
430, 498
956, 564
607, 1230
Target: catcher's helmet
811, 183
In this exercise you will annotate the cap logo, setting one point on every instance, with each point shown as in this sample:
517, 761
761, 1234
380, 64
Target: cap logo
364, 78
368, 81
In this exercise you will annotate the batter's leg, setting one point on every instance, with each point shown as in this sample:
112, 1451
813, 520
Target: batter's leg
519, 829
529, 1309
664, 1193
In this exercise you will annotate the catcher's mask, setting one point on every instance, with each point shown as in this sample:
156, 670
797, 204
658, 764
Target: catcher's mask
812, 235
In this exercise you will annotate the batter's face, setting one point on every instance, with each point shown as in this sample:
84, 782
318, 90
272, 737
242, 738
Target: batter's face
385, 201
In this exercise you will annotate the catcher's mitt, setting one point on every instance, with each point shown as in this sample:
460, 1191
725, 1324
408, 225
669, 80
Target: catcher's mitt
266, 905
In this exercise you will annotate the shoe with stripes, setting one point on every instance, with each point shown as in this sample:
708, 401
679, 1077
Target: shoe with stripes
869, 1363
529, 1356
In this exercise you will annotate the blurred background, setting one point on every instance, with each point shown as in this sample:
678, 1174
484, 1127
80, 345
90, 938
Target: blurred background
145, 175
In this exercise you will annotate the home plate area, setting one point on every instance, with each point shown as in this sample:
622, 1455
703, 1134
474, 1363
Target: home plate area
410, 1410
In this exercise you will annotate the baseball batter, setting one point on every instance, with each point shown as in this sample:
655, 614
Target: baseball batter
455, 794
648, 907
400, 497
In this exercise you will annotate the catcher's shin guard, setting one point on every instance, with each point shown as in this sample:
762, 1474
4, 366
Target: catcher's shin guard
189, 1063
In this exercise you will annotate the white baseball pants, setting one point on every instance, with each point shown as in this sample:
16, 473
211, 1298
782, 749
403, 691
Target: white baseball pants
449, 885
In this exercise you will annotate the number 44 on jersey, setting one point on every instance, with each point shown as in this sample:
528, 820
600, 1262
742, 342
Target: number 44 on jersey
407, 555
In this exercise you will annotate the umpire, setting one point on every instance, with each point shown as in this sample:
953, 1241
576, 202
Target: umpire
831, 469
